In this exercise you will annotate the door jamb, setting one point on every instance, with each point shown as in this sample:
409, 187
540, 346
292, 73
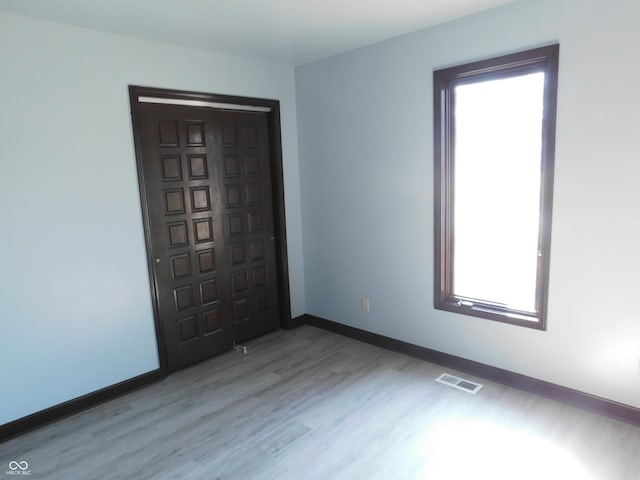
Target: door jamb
277, 187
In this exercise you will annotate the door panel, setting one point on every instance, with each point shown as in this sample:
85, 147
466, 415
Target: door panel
208, 198
179, 149
248, 222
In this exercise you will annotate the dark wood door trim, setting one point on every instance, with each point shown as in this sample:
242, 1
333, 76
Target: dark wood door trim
277, 180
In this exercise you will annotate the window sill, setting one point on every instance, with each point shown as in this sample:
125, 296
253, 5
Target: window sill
492, 312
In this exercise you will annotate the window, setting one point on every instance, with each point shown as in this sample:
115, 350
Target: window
494, 153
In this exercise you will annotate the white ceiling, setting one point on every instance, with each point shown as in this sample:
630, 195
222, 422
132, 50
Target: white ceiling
283, 31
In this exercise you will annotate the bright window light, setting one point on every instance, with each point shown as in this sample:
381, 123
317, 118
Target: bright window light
497, 189
470, 449
494, 153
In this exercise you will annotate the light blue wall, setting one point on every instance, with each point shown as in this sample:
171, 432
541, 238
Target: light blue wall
366, 158
75, 307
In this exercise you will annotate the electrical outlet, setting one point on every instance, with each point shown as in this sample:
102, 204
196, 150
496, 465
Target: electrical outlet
365, 305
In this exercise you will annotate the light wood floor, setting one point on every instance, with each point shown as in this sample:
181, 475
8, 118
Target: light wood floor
308, 404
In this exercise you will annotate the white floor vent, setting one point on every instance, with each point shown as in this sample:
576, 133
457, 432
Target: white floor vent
459, 383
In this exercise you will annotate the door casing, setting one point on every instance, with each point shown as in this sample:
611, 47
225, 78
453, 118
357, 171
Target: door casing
277, 182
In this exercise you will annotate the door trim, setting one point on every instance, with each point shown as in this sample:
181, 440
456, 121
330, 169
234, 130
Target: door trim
277, 182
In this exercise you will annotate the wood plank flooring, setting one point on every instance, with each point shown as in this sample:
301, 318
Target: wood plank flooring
309, 404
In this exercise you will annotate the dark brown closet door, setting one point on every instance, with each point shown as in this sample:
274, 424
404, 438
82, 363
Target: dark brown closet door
248, 222
208, 199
